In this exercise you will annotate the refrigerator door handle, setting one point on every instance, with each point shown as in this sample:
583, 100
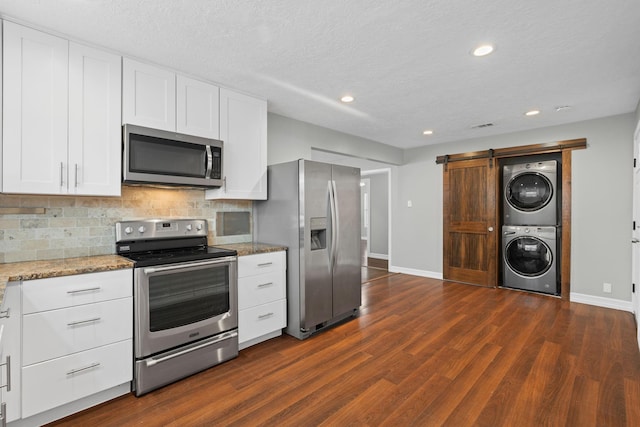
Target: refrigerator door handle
334, 219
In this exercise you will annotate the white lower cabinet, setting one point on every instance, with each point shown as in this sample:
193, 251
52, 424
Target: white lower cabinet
55, 382
71, 343
261, 297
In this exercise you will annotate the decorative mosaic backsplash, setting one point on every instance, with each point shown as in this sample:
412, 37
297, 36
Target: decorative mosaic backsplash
82, 226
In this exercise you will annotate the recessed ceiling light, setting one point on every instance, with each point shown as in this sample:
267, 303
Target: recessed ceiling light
483, 50
532, 113
347, 99
428, 132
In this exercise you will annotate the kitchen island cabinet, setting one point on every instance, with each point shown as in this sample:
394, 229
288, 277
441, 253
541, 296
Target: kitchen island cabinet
61, 116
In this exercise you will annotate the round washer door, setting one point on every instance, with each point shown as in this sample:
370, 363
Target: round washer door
529, 191
528, 256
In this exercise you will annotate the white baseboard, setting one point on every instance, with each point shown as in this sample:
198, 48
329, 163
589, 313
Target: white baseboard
415, 272
378, 256
601, 301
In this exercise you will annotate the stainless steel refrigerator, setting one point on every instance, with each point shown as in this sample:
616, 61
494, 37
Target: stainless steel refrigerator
313, 208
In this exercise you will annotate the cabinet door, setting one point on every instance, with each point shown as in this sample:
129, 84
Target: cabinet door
10, 320
94, 121
197, 108
148, 96
35, 82
243, 129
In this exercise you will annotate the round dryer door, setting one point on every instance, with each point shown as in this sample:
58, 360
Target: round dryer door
528, 256
529, 191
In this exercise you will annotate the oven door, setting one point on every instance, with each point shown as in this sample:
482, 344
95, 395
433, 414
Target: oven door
176, 304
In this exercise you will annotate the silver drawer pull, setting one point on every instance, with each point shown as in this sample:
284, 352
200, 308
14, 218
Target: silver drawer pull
264, 285
77, 291
82, 322
265, 264
264, 316
8, 365
75, 371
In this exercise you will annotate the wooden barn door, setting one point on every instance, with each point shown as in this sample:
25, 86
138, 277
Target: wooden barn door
470, 222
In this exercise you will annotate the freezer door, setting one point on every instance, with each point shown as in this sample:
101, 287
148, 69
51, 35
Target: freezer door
346, 265
315, 233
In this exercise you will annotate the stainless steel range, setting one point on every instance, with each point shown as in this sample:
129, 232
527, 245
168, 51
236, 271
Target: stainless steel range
185, 299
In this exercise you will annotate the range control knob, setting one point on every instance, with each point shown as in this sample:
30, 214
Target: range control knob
199, 226
128, 230
141, 229
189, 227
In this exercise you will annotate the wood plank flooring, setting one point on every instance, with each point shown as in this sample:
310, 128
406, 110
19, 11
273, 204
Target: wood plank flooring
422, 352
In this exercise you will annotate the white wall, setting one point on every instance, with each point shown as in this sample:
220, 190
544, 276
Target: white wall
601, 202
291, 139
601, 197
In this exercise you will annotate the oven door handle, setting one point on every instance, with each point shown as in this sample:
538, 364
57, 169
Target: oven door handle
182, 266
225, 336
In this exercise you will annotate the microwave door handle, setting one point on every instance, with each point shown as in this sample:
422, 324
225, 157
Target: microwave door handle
207, 174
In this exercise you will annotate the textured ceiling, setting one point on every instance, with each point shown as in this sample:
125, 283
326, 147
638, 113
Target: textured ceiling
407, 62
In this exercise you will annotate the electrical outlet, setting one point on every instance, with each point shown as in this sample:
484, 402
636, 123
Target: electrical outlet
606, 288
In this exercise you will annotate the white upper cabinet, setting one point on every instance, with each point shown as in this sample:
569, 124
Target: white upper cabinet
198, 111
243, 129
61, 109
35, 99
161, 99
149, 95
94, 121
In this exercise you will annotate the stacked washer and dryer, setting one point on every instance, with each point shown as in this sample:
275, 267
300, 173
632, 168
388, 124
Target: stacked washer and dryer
531, 227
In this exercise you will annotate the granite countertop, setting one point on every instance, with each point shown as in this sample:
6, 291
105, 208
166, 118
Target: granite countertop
29, 270
251, 248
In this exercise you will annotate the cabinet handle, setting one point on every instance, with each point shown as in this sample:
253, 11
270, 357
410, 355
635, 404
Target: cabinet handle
5, 313
76, 291
76, 176
265, 264
75, 371
61, 174
224, 183
264, 285
264, 316
3, 416
8, 365
82, 322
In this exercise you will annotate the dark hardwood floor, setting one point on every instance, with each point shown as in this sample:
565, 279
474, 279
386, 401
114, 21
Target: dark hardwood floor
422, 352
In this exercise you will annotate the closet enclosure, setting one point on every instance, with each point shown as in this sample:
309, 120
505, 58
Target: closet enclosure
472, 210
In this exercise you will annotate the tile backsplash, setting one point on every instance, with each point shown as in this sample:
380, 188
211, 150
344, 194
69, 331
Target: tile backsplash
81, 226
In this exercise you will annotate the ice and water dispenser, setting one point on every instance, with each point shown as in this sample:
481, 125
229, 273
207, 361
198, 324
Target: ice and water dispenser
318, 233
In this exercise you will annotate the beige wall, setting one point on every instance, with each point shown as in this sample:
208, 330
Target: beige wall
82, 226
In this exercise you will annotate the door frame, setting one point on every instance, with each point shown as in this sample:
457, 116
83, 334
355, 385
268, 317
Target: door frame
386, 171
635, 236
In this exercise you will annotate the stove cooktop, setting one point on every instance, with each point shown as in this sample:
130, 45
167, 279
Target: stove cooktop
145, 259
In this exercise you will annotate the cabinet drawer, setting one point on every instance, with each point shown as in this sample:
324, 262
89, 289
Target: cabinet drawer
56, 333
256, 321
260, 289
59, 381
250, 265
67, 291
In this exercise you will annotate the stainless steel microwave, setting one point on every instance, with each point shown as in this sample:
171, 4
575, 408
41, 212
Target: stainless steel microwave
158, 157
